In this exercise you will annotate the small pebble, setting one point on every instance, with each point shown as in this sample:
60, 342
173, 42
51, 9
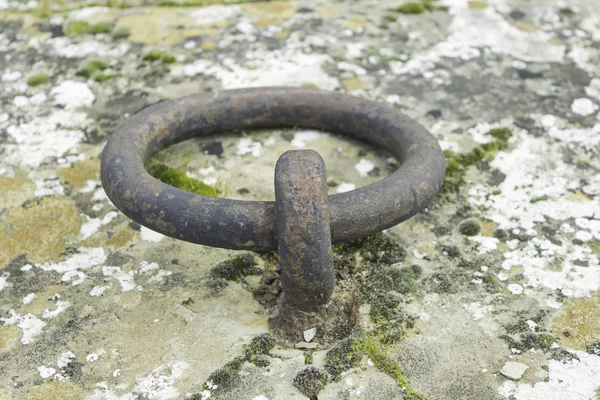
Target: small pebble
310, 334
514, 370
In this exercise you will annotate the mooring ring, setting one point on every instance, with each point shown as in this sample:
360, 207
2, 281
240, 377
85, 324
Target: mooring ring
236, 224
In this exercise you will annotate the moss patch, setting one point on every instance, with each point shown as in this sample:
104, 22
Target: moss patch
342, 357
310, 382
235, 268
100, 27
260, 345
120, 32
502, 134
456, 163
180, 180
101, 77
156, 55
225, 374
39, 229
412, 8
566, 11
470, 227
91, 68
37, 80
349, 352
373, 348
255, 352
538, 199
75, 28
378, 248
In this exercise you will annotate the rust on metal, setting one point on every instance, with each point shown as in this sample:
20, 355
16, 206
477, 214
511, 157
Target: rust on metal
303, 225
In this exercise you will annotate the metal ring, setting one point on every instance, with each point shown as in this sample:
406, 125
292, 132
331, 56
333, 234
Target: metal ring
251, 225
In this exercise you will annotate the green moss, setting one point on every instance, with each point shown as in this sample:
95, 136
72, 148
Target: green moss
528, 340
451, 251
566, 11
236, 267
75, 28
564, 356
156, 55
540, 198
342, 357
390, 18
502, 134
387, 317
349, 352
470, 227
36, 80
378, 248
120, 32
492, 284
168, 59
532, 340
261, 361
259, 346
341, 331
308, 358
225, 374
374, 350
411, 8
457, 162
375, 249
153, 55
310, 381
545, 341
73, 369
180, 180
255, 352
402, 280
452, 165
100, 27
500, 234
309, 85
101, 77
91, 68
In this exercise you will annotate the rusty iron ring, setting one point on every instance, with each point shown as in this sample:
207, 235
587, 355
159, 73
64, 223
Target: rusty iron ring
235, 224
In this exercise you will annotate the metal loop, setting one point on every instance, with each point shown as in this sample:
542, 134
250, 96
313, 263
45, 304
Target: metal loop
237, 224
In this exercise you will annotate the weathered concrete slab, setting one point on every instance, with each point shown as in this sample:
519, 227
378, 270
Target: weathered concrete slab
507, 268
